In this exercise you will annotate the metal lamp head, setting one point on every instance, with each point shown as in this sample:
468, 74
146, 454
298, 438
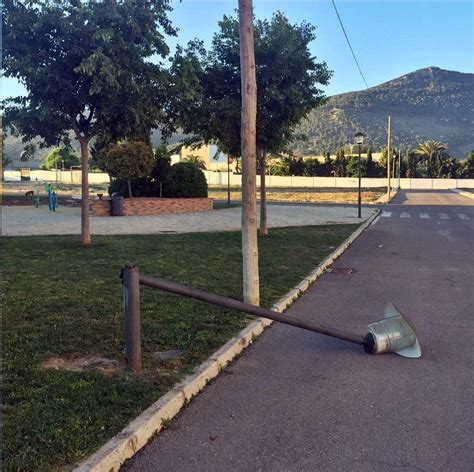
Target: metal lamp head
359, 138
395, 333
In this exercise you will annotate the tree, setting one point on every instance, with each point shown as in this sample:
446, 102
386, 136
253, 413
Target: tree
295, 165
340, 164
466, 167
370, 164
287, 76
352, 167
445, 166
197, 161
312, 167
248, 130
127, 161
411, 164
60, 157
85, 68
327, 165
430, 150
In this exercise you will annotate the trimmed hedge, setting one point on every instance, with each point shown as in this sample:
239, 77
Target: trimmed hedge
185, 180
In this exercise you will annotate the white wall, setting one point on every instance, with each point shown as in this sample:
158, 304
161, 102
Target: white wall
60, 176
220, 178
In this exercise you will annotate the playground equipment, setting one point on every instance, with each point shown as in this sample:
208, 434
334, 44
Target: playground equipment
52, 197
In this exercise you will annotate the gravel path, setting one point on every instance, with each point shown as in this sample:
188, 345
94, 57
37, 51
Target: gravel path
25, 221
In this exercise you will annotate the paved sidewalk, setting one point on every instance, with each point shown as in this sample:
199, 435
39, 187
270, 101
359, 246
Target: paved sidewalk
24, 221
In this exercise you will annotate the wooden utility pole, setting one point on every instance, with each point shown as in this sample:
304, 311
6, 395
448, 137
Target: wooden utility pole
248, 133
388, 157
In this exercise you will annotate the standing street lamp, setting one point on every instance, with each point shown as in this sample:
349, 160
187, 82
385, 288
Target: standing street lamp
359, 139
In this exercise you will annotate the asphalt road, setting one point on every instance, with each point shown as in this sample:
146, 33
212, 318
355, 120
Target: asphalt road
298, 401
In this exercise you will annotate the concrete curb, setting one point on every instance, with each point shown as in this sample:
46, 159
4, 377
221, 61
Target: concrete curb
136, 434
462, 192
383, 200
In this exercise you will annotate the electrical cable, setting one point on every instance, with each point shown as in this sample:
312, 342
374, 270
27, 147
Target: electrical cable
349, 43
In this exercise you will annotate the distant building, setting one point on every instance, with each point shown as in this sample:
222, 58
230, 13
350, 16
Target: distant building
209, 154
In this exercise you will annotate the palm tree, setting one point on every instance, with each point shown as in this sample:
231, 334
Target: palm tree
430, 150
196, 160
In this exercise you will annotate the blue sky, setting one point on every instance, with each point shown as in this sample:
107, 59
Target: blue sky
390, 38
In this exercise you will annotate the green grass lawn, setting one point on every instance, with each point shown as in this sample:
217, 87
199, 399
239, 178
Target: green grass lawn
63, 300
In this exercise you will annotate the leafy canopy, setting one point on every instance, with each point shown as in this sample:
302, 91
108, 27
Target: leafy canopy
127, 160
287, 79
85, 66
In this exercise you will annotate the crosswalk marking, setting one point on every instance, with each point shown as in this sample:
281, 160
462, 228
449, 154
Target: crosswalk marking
424, 216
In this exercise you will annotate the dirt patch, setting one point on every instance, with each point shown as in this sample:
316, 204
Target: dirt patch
349, 197
84, 364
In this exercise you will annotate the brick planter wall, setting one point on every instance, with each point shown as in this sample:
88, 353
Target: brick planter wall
153, 206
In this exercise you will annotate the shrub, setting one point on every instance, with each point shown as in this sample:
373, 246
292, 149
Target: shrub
185, 180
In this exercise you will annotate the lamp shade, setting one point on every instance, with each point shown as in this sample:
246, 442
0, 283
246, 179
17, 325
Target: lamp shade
359, 138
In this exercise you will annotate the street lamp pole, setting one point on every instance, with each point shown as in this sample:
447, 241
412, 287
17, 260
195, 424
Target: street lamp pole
359, 139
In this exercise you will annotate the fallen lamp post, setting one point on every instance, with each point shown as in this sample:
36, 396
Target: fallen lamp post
394, 333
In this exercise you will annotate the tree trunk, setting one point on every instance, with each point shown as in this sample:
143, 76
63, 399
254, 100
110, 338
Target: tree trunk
248, 133
85, 229
263, 193
129, 189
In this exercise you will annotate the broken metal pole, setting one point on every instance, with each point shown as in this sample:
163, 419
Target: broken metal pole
226, 302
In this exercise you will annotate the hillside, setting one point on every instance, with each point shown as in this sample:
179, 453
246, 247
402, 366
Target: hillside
430, 103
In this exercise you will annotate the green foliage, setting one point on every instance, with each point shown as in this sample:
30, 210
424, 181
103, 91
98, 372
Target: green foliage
60, 157
466, 167
152, 185
186, 180
312, 168
431, 152
85, 67
370, 164
352, 166
127, 160
339, 165
197, 161
287, 76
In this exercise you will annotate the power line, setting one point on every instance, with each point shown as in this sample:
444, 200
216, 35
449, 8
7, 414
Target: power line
349, 43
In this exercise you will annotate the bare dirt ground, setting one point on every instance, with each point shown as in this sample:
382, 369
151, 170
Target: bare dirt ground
328, 195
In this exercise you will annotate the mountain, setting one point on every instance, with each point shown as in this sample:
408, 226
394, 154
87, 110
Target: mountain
429, 103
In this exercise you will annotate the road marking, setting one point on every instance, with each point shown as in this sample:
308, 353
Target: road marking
424, 216
405, 214
443, 216
386, 214
463, 216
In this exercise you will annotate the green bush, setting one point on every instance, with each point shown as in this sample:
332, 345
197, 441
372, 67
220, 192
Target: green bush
185, 180
141, 187
148, 186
